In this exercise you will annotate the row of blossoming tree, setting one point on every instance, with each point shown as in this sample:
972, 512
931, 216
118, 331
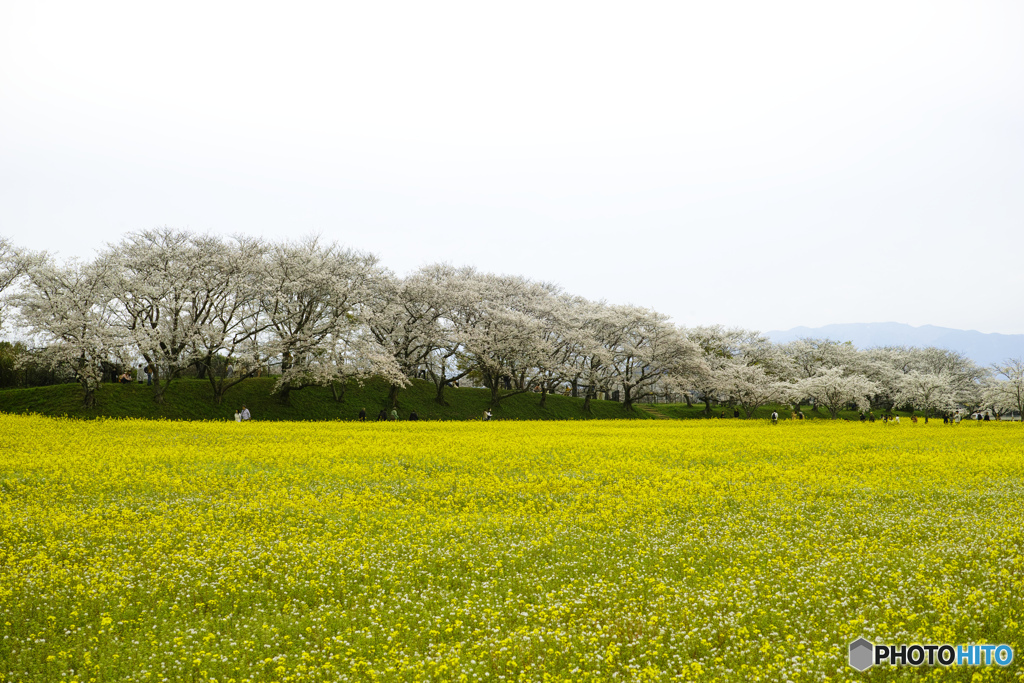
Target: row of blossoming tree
319, 314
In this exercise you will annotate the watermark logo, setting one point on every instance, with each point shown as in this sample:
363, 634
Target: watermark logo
864, 654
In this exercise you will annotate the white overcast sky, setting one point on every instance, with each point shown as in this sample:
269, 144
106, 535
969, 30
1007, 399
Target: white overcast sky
765, 164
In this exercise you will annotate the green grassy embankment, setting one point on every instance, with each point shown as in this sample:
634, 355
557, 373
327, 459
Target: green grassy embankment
190, 399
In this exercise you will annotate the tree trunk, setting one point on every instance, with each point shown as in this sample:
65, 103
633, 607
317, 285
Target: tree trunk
707, 404
338, 391
159, 387
393, 395
586, 403
689, 401
218, 389
439, 398
543, 395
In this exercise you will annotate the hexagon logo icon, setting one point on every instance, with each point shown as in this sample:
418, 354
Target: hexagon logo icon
862, 654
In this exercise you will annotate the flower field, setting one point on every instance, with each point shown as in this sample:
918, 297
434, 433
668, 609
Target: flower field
635, 550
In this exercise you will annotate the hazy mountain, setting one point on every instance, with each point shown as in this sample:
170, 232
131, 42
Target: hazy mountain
981, 347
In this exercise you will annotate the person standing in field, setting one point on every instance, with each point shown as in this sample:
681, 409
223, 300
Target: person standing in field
394, 415
382, 415
245, 414
362, 414
775, 417
140, 375
413, 416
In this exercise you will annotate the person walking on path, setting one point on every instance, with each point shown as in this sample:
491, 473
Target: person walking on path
394, 415
487, 415
245, 414
413, 416
362, 414
775, 417
382, 415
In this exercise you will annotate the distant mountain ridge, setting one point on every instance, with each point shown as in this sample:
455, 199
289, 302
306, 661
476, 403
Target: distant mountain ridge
983, 348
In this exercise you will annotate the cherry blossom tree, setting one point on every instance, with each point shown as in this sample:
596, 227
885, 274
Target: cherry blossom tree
565, 339
809, 357
353, 355
588, 361
10, 270
927, 391
887, 367
313, 295
1008, 392
15, 263
719, 346
68, 310
500, 336
834, 388
648, 349
751, 386
451, 296
404, 318
229, 334
167, 285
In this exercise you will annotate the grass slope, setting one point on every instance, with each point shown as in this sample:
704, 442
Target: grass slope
193, 400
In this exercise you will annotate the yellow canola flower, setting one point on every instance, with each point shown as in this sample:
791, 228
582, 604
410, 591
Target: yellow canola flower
564, 551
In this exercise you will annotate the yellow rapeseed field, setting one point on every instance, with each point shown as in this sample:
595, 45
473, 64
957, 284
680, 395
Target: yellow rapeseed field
654, 550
